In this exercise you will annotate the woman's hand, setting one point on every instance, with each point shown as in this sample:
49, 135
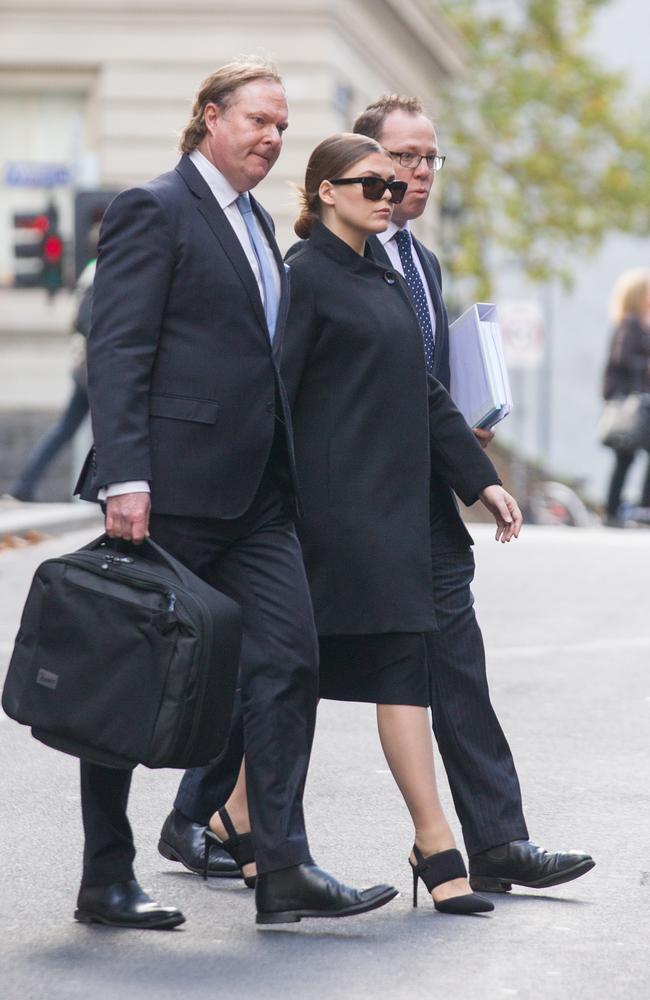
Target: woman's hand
505, 511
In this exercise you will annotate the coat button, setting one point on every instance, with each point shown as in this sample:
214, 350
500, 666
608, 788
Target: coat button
270, 407
389, 277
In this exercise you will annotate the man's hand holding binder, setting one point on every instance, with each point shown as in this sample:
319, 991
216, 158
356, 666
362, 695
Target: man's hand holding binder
483, 436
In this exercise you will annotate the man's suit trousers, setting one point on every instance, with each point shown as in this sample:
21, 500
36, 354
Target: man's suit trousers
472, 745
256, 560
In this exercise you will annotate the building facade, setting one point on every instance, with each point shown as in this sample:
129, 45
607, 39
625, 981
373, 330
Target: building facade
102, 88
94, 95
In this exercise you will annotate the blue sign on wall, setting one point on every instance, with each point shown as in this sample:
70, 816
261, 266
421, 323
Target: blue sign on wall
37, 175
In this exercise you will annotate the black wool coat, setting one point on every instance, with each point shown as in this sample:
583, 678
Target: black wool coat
367, 420
448, 526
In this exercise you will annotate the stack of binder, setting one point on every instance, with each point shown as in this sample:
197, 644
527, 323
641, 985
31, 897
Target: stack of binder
480, 386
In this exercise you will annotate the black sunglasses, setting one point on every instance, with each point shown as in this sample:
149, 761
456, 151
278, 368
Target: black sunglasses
375, 187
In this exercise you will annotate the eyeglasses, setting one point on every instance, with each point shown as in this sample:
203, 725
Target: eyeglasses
412, 160
374, 188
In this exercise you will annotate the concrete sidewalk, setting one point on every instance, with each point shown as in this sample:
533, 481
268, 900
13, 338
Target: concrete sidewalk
30, 313
31, 521
35, 350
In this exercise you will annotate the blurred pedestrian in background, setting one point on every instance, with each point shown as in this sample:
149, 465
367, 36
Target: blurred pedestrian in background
77, 406
628, 372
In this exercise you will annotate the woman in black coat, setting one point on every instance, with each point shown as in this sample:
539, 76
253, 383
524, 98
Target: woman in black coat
628, 371
368, 421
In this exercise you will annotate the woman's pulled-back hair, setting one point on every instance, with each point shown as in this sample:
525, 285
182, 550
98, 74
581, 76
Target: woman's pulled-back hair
219, 88
331, 158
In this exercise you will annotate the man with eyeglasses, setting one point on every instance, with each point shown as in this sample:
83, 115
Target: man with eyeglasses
475, 752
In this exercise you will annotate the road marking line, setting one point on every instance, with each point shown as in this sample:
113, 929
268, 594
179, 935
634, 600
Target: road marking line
592, 646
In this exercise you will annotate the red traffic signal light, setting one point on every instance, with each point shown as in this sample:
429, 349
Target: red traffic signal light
52, 263
39, 253
39, 222
52, 249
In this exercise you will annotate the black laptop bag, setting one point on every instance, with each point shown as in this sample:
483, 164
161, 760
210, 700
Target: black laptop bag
125, 657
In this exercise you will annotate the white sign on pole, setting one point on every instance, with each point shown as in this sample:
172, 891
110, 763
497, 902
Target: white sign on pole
522, 330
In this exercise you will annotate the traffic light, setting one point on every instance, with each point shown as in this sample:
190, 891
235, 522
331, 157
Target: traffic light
32, 227
39, 248
52, 258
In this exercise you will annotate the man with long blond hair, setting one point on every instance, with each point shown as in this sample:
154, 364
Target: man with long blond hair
193, 444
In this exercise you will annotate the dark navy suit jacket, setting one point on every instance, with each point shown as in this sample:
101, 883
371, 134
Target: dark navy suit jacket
183, 381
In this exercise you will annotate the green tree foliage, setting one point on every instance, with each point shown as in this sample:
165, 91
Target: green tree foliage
548, 150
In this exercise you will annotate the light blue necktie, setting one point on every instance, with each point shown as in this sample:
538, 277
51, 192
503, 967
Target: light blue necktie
418, 294
266, 271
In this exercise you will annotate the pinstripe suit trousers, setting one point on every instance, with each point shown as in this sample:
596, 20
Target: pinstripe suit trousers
473, 747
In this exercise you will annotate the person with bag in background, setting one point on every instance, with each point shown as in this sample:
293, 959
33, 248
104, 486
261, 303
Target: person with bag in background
627, 374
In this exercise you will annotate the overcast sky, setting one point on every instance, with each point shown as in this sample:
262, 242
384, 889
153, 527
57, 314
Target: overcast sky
622, 38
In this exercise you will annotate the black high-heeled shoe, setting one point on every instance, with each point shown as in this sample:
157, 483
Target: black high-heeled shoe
239, 846
443, 867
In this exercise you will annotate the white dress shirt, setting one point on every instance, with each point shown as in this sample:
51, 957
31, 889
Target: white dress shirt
387, 239
226, 196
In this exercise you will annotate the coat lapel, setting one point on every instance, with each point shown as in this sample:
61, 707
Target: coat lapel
377, 250
442, 324
379, 253
216, 219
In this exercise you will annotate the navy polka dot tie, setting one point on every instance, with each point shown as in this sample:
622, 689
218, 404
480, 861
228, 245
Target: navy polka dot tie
418, 294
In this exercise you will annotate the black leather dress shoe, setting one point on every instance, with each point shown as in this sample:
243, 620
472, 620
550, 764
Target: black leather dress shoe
124, 904
285, 897
182, 840
522, 863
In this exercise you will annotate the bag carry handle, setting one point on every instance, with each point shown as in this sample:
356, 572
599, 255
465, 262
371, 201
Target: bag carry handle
149, 549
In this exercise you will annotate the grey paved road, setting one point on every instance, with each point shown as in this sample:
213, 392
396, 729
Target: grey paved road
567, 619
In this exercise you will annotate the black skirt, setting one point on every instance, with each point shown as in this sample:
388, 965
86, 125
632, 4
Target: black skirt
384, 669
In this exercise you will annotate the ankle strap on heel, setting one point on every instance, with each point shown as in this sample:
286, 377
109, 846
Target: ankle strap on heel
238, 845
439, 868
224, 816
